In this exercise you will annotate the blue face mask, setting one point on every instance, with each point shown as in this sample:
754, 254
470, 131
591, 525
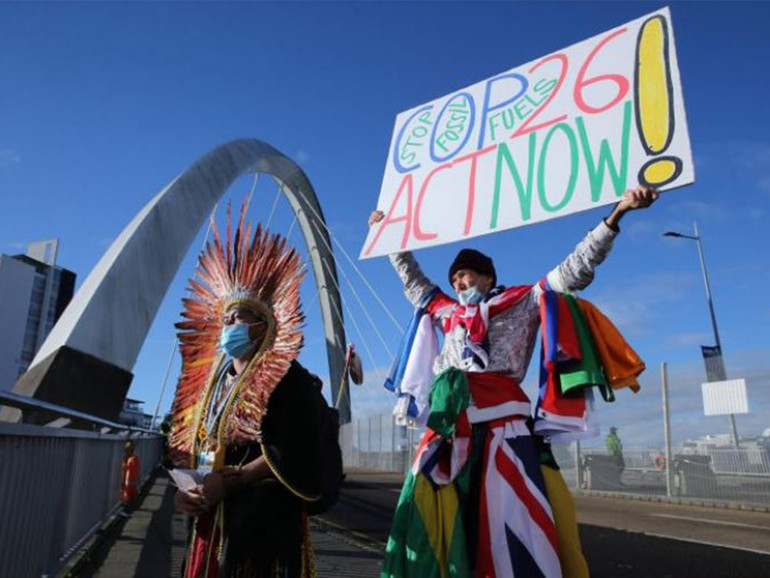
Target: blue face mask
235, 340
470, 296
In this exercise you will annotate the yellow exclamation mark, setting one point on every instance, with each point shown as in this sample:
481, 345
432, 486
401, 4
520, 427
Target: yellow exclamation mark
654, 101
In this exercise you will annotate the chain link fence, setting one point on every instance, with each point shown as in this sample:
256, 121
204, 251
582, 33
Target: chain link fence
724, 475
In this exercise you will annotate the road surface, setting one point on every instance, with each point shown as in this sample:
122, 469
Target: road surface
621, 537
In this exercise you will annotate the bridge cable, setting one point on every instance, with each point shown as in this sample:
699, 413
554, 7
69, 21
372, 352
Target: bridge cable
365, 310
352, 319
291, 227
339, 290
361, 304
352, 263
176, 339
345, 306
272, 209
254, 183
257, 174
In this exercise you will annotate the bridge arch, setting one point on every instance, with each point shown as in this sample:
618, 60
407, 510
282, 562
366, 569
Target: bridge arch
87, 359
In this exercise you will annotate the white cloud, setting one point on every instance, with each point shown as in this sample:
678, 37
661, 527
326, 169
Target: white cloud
642, 228
369, 398
631, 305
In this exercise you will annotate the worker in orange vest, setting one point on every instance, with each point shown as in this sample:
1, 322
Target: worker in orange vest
129, 478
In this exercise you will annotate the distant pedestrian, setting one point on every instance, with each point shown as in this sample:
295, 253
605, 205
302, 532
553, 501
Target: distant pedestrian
615, 447
129, 477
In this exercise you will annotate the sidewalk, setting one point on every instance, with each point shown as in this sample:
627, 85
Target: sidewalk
152, 541
151, 544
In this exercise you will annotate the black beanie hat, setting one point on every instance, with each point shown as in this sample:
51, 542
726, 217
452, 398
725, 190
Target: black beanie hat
475, 261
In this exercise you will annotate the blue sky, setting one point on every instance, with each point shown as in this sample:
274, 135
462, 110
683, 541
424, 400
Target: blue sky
102, 104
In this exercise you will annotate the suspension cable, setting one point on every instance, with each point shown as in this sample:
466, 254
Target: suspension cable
361, 304
254, 183
358, 330
176, 339
253, 188
272, 209
352, 263
291, 227
346, 308
350, 315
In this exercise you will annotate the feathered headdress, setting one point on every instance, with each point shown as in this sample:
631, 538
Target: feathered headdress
258, 273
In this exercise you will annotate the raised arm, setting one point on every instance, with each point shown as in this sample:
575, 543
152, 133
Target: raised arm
577, 271
416, 284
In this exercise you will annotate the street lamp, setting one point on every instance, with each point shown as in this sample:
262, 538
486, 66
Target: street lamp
696, 237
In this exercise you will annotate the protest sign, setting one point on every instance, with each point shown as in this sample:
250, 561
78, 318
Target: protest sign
564, 133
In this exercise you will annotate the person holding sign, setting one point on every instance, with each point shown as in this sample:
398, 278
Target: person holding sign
246, 418
484, 497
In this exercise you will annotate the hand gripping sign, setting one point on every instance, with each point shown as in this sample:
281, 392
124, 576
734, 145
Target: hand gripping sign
562, 134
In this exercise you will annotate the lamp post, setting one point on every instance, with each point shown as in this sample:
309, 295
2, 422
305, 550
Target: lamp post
696, 237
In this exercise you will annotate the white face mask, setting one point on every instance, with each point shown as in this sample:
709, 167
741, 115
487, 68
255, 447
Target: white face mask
470, 296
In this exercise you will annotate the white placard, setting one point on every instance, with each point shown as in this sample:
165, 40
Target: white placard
725, 397
564, 133
186, 480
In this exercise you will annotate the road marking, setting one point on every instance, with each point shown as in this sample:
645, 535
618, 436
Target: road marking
710, 521
705, 543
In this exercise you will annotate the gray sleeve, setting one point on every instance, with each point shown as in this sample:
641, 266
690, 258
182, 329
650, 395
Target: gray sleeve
577, 271
416, 284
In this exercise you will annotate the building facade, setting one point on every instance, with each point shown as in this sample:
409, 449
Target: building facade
133, 414
33, 294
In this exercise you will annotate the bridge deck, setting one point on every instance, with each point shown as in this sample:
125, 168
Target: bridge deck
151, 543
621, 538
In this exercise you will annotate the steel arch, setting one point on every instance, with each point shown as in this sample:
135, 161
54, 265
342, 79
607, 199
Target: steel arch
111, 314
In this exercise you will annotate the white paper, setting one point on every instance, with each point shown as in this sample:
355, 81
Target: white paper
186, 480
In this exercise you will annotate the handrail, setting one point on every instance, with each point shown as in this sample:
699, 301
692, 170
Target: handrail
24, 402
58, 485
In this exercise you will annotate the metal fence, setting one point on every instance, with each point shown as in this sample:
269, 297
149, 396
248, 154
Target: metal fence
377, 443
57, 486
723, 475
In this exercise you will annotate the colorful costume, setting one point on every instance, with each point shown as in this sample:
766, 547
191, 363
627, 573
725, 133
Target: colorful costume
268, 410
477, 502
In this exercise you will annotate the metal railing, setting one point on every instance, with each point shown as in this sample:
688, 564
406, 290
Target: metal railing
720, 475
750, 462
58, 486
376, 443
